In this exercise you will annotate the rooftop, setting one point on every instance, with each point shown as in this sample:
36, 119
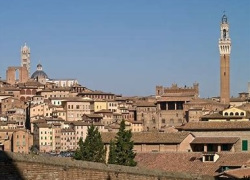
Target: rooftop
214, 126
150, 137
215, 140
190, 162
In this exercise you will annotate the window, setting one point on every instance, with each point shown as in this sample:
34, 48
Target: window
244, 145
231, 113
225, 147
209, 158
236, 114
163, 121
242, 114
226, 114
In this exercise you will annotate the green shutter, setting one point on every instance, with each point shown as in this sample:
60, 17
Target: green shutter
244, 145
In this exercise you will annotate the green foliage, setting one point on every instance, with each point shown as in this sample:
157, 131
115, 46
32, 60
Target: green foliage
92, 149
112, 155
79, 150
121, 151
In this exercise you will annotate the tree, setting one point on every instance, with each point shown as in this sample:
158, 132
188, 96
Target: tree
121, 151
27, 122
92, 149
112, 155
79, 150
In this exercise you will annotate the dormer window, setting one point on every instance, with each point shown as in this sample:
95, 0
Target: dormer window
210, 157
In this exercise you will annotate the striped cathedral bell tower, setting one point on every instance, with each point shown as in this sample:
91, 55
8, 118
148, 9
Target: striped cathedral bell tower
225, 50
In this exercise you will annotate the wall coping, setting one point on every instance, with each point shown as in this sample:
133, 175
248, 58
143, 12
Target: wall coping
71, 163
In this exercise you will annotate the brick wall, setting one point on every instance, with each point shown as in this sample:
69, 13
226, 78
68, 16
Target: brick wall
33, 167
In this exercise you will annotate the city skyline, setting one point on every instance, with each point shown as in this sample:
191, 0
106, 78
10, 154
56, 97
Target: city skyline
129, 47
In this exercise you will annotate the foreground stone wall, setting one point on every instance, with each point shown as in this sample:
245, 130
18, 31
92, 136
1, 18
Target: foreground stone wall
33, 167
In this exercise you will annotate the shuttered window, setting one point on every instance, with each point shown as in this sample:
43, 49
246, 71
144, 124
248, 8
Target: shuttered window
244, 145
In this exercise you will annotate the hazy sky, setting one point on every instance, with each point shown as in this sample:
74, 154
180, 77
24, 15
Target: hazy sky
128, 46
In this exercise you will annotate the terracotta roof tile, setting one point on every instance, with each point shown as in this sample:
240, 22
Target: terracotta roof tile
82, 123
150, 137
190, 162
93, 115
145, 104
104, 111
208, 125
215, 140
239, 173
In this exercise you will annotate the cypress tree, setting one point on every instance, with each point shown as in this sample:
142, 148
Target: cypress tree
79, 150
122, 151
92, 149
112, 156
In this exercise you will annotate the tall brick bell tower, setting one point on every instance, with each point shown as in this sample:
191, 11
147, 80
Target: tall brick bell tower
225, 50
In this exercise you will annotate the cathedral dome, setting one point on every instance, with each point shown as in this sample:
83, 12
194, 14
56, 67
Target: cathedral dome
39, 73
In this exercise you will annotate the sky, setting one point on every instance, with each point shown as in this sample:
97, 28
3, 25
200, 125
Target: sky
128, 46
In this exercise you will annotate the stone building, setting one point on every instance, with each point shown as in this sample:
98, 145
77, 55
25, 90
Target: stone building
230, 114
12, 72
97, 95
63, 82
11, 103
15, 140
196, 108
146, 112
170, 103
22, 141
76, 107
23, 70
152, 142
221, 129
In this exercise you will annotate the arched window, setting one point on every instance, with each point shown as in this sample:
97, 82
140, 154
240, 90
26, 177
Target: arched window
226, 114
22, 91
231, 113
236, 114
242, 114
28, 92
